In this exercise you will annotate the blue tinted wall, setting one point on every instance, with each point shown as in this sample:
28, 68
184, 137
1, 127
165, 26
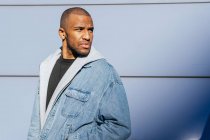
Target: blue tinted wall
159, 47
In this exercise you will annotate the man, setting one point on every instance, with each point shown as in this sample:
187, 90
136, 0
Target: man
80, 97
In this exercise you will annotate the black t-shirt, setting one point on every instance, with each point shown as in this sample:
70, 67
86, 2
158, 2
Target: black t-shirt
59, 69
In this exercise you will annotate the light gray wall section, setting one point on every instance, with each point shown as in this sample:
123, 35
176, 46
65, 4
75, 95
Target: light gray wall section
101, 2
159, 40
16, 101
140, 40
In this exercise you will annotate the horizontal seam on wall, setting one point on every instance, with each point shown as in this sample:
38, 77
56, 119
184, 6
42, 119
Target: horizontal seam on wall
106, 4
123, 76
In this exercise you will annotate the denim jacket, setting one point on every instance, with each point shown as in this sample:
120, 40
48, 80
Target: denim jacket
89, 103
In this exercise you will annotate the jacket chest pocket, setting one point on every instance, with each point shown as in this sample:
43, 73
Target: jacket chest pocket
74, 102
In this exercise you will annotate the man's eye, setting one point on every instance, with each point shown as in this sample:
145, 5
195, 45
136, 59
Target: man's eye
91, 30
79, 29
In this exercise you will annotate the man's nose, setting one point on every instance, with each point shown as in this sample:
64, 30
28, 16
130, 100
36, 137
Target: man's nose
86, 35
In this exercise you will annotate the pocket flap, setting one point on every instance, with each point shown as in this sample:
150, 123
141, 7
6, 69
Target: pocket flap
77, 94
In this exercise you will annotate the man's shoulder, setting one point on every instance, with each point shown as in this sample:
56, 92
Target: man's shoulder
104, 69
100, 64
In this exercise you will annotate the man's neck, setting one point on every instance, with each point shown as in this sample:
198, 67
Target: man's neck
66, 53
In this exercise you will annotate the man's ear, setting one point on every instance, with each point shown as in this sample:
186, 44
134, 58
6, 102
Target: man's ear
62, 33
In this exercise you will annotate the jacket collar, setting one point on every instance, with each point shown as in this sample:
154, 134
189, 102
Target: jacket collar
45, 72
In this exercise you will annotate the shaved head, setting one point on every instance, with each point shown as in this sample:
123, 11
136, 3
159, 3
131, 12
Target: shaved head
66, 14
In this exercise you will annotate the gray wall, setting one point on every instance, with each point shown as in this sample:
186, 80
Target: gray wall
159, 47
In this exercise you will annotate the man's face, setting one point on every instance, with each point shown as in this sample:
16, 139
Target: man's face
79, 34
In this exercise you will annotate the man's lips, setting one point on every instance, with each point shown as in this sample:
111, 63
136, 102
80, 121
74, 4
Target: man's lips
85, 45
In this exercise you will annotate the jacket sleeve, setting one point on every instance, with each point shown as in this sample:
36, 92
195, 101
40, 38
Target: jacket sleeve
113, 119
34, 128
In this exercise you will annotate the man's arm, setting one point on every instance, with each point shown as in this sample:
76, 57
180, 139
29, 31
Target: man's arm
34, 129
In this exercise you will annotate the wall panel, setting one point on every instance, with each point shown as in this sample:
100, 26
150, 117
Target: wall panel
177, 107
158, 40
16, 101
